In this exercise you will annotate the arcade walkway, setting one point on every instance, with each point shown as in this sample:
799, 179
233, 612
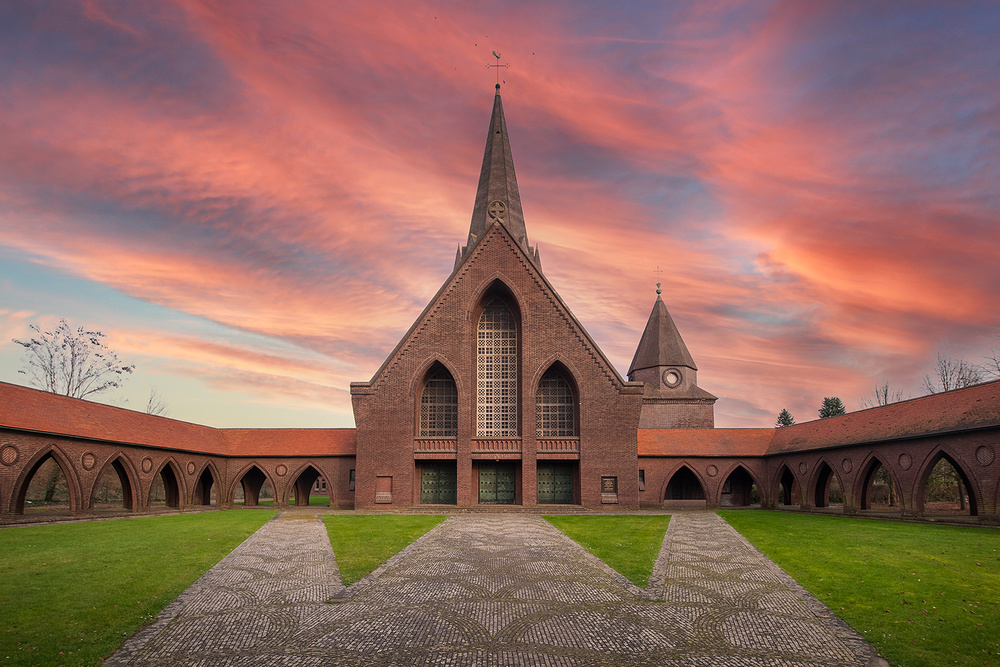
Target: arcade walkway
494, 589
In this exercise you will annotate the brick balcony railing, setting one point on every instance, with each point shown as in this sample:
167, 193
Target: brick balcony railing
432, 446
559, 445
495, 446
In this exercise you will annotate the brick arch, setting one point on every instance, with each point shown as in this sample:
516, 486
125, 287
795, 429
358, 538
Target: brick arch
201, 494
256, 485
753, 480
863, 480
498, 289
969, 480
31, 466
679, 470
566, 366
173, 484
497, 285
419, 382
567, 372
819, 484
127, 477
302, 481
787, 480
424, 369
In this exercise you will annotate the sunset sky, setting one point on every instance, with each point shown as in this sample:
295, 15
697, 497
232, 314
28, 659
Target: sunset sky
255, 200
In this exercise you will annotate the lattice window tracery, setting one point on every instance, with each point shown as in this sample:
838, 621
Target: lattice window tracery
555, 406
496, 372
439, 406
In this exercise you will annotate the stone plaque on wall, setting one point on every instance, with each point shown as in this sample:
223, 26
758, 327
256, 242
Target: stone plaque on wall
609, 490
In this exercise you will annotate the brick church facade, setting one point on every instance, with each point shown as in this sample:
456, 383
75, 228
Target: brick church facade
497, 395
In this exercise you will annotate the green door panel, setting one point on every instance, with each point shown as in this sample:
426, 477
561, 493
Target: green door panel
496, 483
438, 483
555, 483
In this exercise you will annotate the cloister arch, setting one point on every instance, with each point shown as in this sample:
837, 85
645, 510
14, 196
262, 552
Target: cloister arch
737, 489
877, 490
938, 455
122, 468
826, 480
302, 486
169, 476
684, 484
53, 453
56, 455
786, 488
252, 480
207, 481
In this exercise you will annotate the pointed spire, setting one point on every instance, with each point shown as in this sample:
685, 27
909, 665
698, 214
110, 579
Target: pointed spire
661, 343
497, 198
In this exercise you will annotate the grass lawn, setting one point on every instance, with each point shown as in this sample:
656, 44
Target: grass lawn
922, 594
71, 593
362, 542
628, 544
314, 501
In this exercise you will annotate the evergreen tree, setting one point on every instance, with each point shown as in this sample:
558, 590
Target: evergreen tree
785, 418
832, 406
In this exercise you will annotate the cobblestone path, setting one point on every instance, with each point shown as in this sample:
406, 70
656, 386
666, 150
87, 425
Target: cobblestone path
495, 589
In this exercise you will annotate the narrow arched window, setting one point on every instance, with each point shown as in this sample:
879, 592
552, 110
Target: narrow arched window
555, 406
439, 405
496, 372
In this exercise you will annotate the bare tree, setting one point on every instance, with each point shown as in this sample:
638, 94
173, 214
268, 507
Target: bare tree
881, 394
75, 363
950, 373
156, 405
991, 365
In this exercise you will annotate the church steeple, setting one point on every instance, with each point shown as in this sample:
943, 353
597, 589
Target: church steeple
671, 396
661, 344
497, 198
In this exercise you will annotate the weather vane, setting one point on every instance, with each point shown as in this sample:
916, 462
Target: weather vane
498, 66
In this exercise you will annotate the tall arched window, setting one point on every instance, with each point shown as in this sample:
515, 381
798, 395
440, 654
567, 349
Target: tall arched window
496, 372
555, 406
439, 405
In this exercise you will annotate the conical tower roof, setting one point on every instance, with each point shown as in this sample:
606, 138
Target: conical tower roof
497, 198
661, 343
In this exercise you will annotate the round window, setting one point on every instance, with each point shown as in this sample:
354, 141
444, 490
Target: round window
671, 377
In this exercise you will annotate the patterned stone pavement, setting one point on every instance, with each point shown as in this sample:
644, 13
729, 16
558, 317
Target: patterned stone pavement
495, 589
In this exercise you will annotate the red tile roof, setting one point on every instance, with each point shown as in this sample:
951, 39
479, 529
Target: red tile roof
33, 410
963, 409
704, 441
958, 410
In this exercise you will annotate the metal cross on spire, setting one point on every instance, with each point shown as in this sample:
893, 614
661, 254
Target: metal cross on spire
498, 66
658, 271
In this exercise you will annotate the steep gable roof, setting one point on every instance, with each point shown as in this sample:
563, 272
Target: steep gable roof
496, 233
661, 343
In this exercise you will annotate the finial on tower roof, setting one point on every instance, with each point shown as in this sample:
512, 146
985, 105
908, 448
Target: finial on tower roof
658, 271
658, 290
496, 54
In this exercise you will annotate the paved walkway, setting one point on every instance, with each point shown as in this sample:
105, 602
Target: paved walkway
495, 589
